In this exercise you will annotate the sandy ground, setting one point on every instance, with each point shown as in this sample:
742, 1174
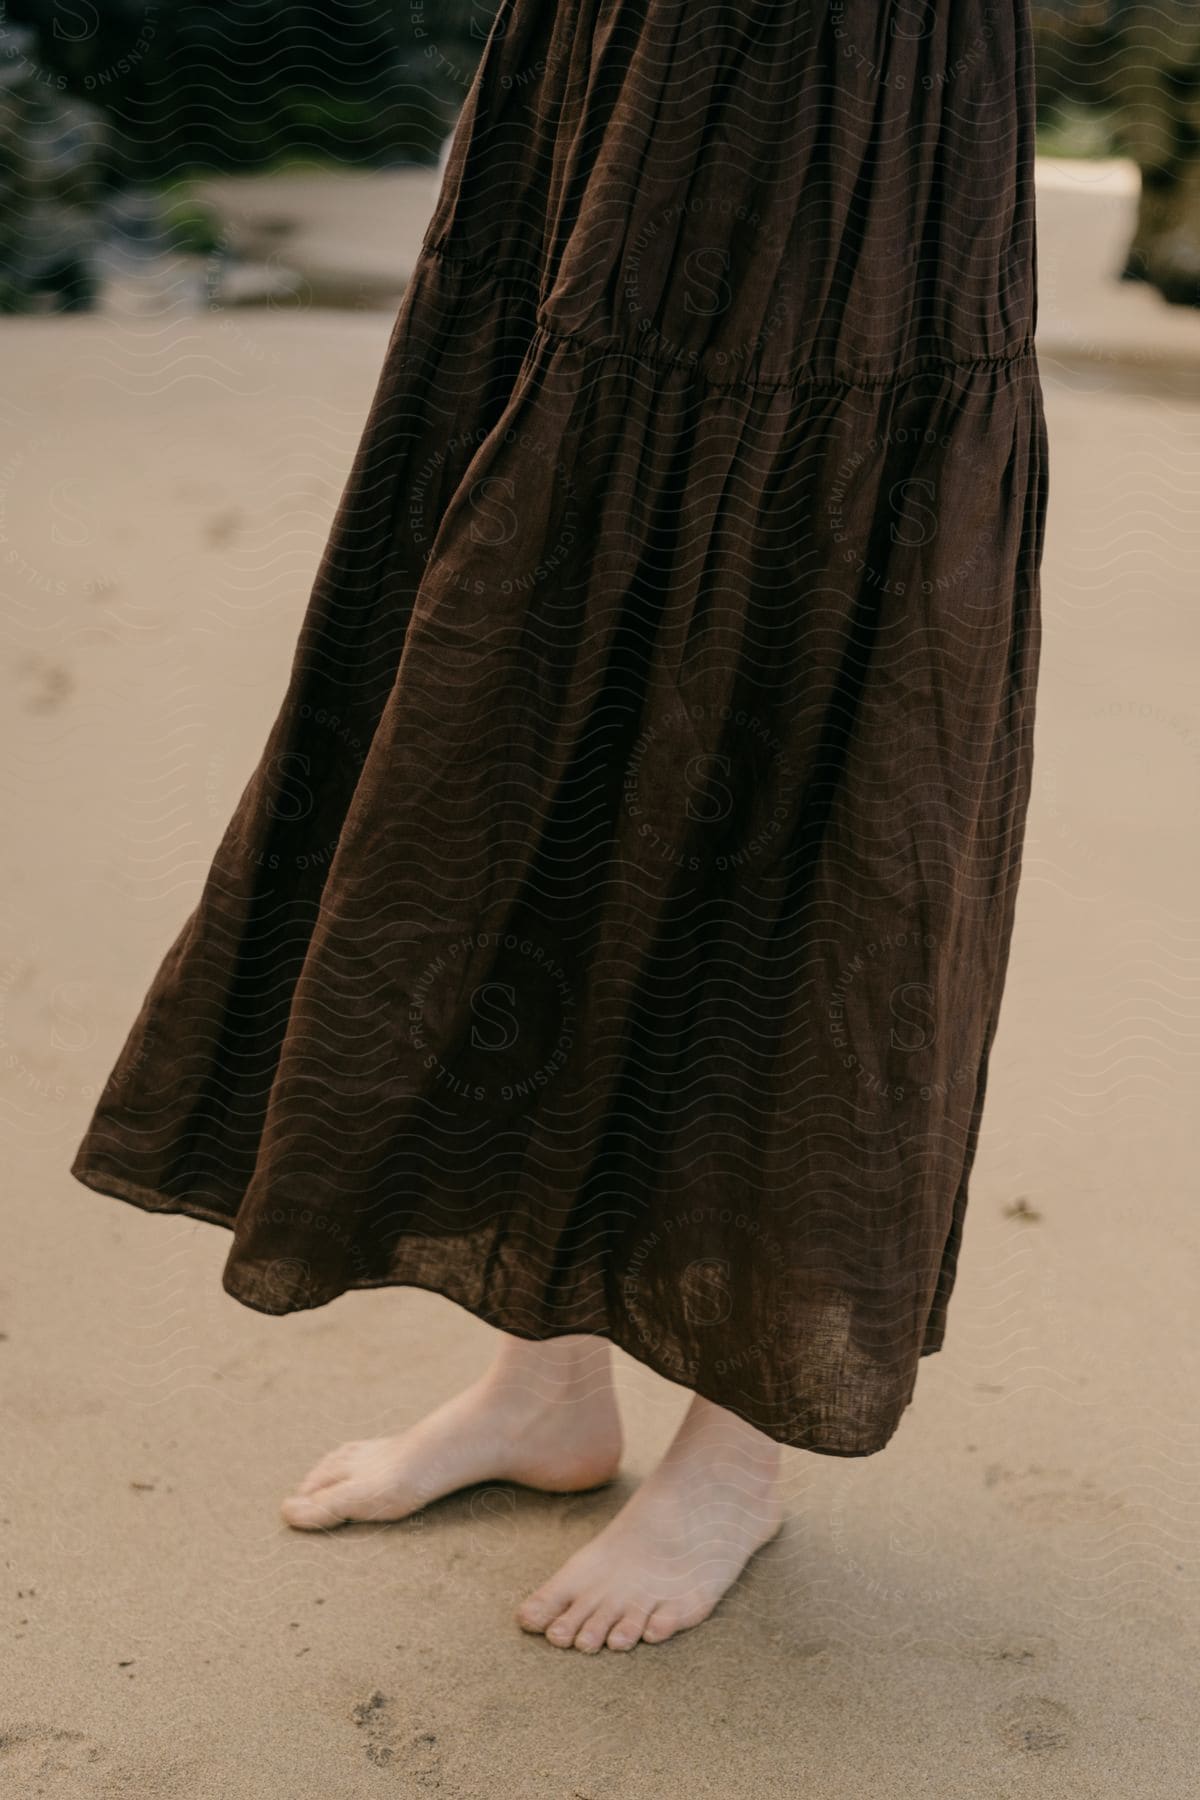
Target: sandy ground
1002, 1603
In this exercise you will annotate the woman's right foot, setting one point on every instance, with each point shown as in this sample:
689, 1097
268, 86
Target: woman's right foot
544, 1415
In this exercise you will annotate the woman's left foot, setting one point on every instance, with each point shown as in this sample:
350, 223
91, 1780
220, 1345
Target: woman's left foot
544, 1416
677, 1545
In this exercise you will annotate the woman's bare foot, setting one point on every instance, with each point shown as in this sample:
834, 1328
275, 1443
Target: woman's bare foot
676, 1546
544, 1415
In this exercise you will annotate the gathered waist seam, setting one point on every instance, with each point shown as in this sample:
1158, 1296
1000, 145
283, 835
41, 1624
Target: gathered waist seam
813, 375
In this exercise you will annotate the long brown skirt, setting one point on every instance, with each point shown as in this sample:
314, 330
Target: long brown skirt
612, 933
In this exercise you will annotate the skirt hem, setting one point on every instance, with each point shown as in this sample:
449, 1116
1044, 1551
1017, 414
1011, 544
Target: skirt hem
151, 1200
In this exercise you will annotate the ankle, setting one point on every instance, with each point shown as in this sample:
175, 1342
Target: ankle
575, 1367
712, 1436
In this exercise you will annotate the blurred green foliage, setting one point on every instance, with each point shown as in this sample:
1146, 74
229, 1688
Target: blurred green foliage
241, 83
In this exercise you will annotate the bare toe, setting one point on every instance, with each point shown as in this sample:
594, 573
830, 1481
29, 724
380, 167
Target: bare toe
565, 1629
545, 1604
659, 1626
628, 1629
596, 1627
313, 1512
330, 1468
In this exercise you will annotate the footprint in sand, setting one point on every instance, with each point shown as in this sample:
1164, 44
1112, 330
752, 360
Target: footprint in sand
1055, 1496
1027, 1650
1033, 1724
47, 1760
390, 1745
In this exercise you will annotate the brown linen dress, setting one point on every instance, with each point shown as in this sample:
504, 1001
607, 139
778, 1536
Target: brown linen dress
611, 935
